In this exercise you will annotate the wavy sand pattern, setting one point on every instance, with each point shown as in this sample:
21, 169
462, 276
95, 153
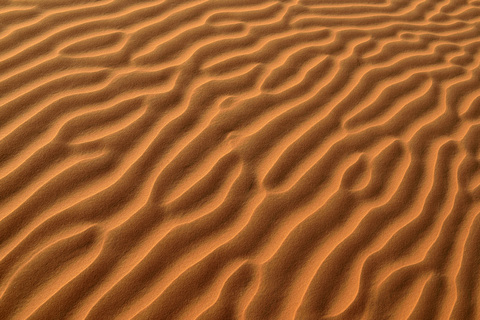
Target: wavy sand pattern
239, 159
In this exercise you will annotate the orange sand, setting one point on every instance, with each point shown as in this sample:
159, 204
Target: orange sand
240, 159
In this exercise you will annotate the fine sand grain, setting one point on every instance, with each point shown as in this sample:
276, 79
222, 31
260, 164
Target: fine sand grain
240, 159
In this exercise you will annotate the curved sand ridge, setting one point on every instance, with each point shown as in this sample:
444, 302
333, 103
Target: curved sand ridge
239, 159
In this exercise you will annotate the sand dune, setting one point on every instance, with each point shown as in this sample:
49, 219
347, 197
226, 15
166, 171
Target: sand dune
239, 159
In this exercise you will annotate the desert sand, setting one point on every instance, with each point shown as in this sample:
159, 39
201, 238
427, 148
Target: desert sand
240, 159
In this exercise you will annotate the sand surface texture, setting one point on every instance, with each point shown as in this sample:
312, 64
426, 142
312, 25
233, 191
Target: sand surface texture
239, 159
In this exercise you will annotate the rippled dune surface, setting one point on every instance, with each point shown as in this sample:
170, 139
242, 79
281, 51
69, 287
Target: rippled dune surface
240, 159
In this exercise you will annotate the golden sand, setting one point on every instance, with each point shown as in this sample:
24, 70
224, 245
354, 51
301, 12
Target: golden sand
240, 159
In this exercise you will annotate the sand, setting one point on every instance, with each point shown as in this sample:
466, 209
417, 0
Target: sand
240, 159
